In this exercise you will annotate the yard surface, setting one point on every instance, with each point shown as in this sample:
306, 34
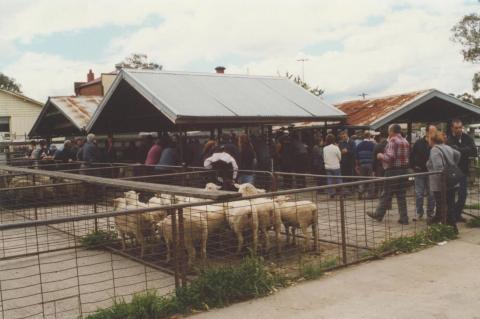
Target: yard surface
439, 282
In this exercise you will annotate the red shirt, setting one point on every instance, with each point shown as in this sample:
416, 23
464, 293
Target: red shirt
153, 155
397, 153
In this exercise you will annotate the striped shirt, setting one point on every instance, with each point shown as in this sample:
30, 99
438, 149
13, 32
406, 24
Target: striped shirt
397, 153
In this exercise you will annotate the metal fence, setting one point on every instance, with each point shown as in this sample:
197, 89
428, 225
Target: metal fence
73, 239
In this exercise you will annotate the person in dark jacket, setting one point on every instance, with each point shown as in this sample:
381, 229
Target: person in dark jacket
247, 159
364, 156
418, 162
301, 161
89, 151
65, 154
318, 163
466, 146
347, 147
286, 155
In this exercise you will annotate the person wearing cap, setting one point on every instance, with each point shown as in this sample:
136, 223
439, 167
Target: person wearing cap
226, 167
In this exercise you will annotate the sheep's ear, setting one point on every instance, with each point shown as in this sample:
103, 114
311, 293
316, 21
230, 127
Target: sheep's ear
237, 185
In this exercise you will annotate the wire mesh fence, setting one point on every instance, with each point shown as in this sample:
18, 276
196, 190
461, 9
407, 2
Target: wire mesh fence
74, 239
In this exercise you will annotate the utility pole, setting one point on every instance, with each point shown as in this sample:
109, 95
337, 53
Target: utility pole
303, 60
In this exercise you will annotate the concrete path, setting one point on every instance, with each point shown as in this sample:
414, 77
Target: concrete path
439, 282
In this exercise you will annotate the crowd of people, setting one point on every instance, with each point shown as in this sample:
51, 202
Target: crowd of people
341, 158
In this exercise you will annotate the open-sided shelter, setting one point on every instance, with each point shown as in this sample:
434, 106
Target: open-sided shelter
65, 116
144, 100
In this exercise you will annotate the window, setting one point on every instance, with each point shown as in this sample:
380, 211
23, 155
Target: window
4, 124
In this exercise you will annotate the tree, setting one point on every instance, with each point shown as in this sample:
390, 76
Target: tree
138, 61
467, 33
9, 84
469, 98
298, 80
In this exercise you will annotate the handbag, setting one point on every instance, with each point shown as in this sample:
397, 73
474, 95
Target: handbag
453, 172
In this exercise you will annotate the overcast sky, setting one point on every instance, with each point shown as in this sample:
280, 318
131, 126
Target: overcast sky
373, 46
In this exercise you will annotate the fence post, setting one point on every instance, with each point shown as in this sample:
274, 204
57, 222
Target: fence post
181, 246
342, 226
274, 182
443, 194
175, 248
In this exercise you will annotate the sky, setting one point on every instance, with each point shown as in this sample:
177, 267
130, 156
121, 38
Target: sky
377, 47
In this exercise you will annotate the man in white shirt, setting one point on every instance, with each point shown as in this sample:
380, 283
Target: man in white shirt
225, 166
332, 157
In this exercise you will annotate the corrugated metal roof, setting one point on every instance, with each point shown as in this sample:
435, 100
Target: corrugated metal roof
368, 111
79, 109
184, 95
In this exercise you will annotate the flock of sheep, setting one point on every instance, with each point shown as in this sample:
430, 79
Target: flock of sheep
255, 215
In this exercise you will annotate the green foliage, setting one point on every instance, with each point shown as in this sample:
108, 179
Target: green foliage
298, 80
221, 286
138, 61
473, 223
467, 33
9, 84
142, 306
315, 270
473, 206
96, 239
214, 287
433, 234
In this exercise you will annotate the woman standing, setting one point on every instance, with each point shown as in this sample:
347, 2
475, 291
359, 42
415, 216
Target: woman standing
331, 158
247, 159
442, 155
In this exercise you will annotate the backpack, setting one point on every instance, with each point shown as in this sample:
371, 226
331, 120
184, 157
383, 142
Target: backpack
453, 172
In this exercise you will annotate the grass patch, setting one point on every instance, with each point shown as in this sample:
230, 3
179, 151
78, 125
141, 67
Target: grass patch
473, 222
315, 270
427, 237
98, 238
473, 206
215, 287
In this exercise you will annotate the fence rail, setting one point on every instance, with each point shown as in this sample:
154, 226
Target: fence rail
73, 240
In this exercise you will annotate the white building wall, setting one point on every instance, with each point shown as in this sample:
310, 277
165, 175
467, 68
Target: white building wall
22, 113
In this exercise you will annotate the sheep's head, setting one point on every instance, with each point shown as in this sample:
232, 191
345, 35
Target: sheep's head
247, 189
212, 187
132, 196
281, 199
118, 203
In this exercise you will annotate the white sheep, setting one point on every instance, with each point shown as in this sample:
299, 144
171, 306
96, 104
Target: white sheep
248, 189
240, 216
138, 226
299, 214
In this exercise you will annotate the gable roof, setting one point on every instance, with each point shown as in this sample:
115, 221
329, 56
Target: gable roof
75, 111
207, 98
22, 97
377, 112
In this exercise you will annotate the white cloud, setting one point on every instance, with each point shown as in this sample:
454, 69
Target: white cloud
406, 49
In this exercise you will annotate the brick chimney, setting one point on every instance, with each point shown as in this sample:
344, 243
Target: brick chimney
90, 76
220, 69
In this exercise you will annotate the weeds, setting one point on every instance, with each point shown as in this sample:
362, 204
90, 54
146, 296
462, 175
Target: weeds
427, 237
96, 239
315, 270
473, 206
473, 222
216, 287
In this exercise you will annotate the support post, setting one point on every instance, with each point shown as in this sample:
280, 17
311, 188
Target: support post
342, 227
443, 190
409, 132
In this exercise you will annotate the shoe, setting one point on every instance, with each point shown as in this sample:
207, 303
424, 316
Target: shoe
403, 222
419, 217
377, 218
461, 219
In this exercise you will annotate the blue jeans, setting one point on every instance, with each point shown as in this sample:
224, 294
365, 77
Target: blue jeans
422, 188
461, 197
333, 180
244, 178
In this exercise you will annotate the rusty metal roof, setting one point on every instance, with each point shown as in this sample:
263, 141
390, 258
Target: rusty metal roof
75, 113
79, 109
367, 112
